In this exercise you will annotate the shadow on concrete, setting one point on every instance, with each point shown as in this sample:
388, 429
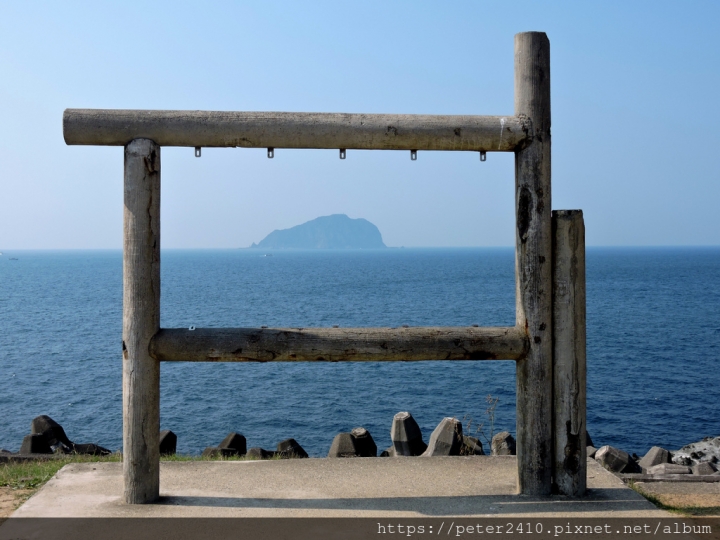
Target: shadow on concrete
605, 500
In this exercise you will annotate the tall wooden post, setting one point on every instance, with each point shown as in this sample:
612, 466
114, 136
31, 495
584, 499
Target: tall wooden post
533, 262
141, 321
569, 367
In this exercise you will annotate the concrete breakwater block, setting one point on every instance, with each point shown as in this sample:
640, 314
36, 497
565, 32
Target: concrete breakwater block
588, 440
669, 468
654, 456
290, 449
357, 443
48, 437
343, 445
35, 444
406, 436
235, 445
259, 453
503, 444
616, 460
446, 439
613, 459
234, 442
364, 443
90, 449
472, 447
216, 452
704, 469
51, 431
168, 443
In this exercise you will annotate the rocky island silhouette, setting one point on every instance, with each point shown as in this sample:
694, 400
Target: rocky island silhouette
337, 231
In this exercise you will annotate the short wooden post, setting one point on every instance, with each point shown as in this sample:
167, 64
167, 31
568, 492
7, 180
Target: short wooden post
141, 321
569, 371
533, 261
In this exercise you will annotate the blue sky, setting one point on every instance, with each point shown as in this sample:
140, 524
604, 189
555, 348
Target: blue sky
634, 103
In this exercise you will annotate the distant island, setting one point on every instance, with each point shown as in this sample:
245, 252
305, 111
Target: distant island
328, 232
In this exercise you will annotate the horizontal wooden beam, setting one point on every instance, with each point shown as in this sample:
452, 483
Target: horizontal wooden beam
295, 130
336, 344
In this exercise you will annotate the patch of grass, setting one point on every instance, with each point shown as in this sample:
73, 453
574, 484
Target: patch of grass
696, 511
33, 474
653, 498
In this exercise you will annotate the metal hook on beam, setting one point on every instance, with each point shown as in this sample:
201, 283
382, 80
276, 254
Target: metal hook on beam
413, 155
271, 153
342, 153
198, 151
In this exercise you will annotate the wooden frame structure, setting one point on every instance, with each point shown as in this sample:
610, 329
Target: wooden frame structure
547, 342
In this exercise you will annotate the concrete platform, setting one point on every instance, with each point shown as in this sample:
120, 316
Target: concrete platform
360, 487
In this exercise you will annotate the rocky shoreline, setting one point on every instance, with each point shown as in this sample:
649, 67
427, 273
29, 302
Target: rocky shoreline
698, 461
446, 440
48, 437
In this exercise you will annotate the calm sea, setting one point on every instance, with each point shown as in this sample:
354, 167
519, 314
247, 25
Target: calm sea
653, 343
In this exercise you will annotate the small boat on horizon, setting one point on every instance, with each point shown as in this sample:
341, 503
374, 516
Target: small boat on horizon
12, 259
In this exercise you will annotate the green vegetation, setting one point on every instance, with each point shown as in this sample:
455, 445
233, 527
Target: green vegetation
697, 511
33, 474
478, 429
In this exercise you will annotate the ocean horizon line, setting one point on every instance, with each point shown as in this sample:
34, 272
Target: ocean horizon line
4, 251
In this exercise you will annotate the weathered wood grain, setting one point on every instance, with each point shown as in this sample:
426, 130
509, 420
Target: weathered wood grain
569, 364
141, 321
295, 130
533, 261
336, 344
